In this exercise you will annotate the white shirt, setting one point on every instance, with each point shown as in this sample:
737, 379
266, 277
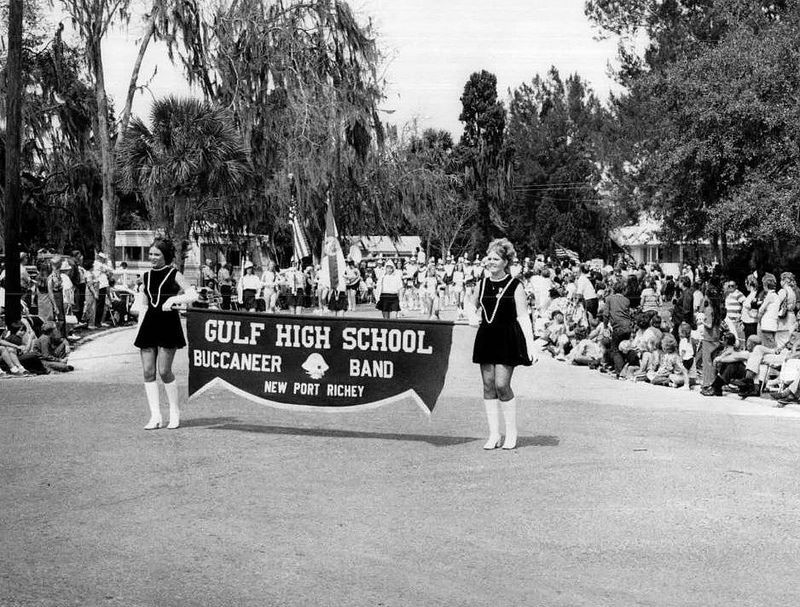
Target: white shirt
584, 286
390, 283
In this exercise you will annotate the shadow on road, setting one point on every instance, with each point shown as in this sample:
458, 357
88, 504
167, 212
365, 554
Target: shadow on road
229, 423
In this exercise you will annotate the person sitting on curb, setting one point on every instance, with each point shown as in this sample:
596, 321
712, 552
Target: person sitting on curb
18, 354
52, 348
729, 366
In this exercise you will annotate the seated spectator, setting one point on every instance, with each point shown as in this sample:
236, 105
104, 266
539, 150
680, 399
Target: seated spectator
587, 352
761, 354
729, 365
630, 354
556, 337
670, 370
52, 349
119, 302
650, 360
16, 351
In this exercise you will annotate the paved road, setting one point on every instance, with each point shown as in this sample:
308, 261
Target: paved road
620, 494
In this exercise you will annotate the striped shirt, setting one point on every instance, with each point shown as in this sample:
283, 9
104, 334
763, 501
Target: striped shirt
733, 305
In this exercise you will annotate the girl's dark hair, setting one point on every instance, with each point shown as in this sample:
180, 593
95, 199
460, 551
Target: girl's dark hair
166, 247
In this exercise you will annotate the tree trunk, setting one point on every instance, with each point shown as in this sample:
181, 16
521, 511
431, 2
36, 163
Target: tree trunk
106, 154
180, 230
13, 307
149, 29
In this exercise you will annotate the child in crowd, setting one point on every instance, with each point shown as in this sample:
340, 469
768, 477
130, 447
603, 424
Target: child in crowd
52, 348
587, 352
651, 359
687, 352
556, 335
670, 370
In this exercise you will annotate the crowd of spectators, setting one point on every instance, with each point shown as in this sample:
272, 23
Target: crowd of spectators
698, 328
632, 322
60, 294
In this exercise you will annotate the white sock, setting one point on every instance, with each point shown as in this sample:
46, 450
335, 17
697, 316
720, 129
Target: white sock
174, 409
493, 418
151, 390
510, 415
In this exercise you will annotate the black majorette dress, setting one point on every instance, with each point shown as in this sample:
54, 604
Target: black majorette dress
500, 340
160, 329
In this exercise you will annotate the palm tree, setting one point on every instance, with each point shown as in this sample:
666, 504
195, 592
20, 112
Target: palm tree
189, 157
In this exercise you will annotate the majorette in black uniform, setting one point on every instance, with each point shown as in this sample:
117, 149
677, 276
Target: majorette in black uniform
500, 340
159, 328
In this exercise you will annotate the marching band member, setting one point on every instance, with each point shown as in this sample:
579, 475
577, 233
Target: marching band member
504, 339
160, 333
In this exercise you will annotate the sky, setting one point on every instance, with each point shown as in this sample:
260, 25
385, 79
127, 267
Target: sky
431, 48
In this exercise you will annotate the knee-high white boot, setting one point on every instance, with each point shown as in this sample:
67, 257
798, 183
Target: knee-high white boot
493, 417
174, 408
151, 391
510, 415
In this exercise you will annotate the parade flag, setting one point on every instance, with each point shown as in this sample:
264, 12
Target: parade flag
333, 256
300, 242
563, 252
318, 363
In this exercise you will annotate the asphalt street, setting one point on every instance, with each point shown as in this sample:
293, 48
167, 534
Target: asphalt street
619, 494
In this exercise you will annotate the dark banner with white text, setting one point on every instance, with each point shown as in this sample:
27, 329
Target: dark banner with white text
330, 363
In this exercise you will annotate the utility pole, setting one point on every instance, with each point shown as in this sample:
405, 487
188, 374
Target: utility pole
13, 201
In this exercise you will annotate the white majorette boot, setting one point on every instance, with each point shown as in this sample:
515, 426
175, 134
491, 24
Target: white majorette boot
510, 415
151, 391
493, 417
174, 410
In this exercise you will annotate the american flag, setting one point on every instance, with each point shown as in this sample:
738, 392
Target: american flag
300, 242
563, 252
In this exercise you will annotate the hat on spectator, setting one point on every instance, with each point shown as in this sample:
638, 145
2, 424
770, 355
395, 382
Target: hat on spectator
102, 255
65, 265
248, 264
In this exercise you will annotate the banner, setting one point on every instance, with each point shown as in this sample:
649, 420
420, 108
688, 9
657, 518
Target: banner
318, 363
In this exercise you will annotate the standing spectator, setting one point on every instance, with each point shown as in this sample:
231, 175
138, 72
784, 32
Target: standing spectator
710, 335
92, 294
207, 275
750, 305
618, 314
55, 293
683, 308
79, 282
101, 271
633, 291
787, 300
25, 281
669, 289
768, 312
126, 277
734, 300
585, 288
225, 283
